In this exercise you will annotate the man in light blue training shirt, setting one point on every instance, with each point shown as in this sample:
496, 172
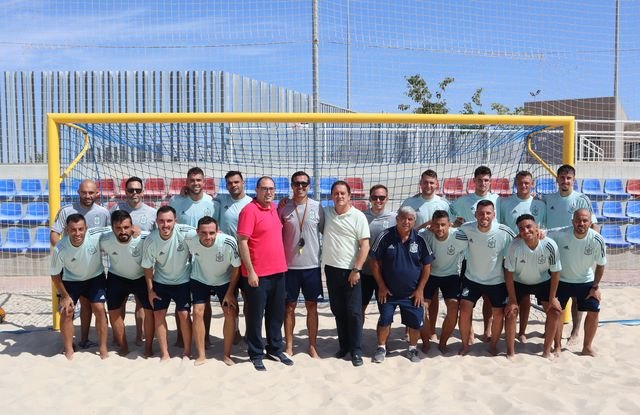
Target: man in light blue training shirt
231, 204
196, 203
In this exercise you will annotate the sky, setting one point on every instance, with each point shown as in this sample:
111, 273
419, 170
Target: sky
563, 48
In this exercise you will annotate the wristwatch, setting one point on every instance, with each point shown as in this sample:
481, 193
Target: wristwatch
355, 270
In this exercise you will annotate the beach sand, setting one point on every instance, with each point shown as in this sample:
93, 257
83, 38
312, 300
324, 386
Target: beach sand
36, 378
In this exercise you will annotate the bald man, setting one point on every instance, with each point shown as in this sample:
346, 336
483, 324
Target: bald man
95, 216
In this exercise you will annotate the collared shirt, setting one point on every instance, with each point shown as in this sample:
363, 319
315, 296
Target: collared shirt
168, 258
213, 265
79, 263
401, 262
531, 266
579, 255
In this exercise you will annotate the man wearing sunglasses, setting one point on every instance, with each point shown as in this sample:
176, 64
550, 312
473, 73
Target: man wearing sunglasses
142, 215
303, 220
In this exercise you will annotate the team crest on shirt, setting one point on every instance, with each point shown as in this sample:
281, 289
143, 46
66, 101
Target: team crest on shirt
219, 257
96, 221
180, 247
413, 248
491, 243
92, 250
385, 224
313, 215
451, 250
136, 252
588, 250
541, 259
207, 212
535, 210
143, 220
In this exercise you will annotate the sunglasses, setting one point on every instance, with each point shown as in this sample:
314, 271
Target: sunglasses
380, 198
303, 184
132, 191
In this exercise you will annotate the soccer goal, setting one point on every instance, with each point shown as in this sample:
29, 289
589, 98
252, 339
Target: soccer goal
363, 149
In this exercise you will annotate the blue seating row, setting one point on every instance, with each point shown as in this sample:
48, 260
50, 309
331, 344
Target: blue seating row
35, 214
18, 241
613, 236
616, 211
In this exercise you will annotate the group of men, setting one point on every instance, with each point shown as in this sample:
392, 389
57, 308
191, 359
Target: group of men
199, 246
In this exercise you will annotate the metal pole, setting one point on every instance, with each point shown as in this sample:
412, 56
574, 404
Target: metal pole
615, 53
314, 66
348, 58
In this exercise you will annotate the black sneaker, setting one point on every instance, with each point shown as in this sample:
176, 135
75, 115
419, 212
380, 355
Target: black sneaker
280, 357
258, 365
340, 354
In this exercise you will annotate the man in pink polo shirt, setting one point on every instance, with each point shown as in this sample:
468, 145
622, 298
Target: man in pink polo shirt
263, 267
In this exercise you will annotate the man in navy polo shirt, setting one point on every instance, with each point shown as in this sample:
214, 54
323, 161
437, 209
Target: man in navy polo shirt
401, 262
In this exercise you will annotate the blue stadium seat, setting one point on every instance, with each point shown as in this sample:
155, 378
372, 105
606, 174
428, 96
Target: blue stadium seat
8, 189
545, 185
615, 189
41, 244
10, 213
633, 234
16, 241
597, 211
325, 186
325, 203
37, 213
250, 185
282, 186
633, 210
613, 211
69, 189
612, 235
593, 189
30, 189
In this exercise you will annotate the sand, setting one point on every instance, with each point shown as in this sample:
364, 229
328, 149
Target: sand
36, 378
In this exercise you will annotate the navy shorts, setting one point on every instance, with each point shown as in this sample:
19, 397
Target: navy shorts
412, 316
369, 288
309, 281
119, 288
94, 289
450, 287
580, 291
472, 291
180, 294
541, 290
201, 293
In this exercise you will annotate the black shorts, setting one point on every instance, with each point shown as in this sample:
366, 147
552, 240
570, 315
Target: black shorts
201, 293
450, 287
309, 281
369, 288
180, 294
541, 290
119, 288
580, 291
472, 291
94, 289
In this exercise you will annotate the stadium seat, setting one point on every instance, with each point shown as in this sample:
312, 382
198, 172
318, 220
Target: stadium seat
357, 187
36, 213
210, 185
633, 187
69, 189
501, 186
545, 185
360, 204
41, 244
107, 188
633, 210
154, 188
123, 187
597, 211
30, 189
633, 234
16, 242
471, 185
8, 189
453, 187
10, 213
326, 202
325, 186
593, 189
612, 235
176, 184
614, 188
613, 211
282, 186
250, 185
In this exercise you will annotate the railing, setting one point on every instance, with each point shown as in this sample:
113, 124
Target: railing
607, 141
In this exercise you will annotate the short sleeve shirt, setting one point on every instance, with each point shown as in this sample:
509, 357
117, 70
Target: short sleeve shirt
448, 253
485, 251
213, 265
144, 216
560, 209
424, 208
342, 235
377, 224
79, 263
532, 266
401, 262
512, 207
263, 229
309, 216
189, 211
96, 216
169, 259
124, 258
229, 212
579, 255
465, 206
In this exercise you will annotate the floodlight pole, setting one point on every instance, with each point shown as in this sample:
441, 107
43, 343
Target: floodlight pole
615, 53
315, 98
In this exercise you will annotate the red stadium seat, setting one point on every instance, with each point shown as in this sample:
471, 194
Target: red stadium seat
471, 185
357, 187
107, 188
501, 186
155, 188
176, 184
452, 187
633, 187
123, 187
210, 185
360, 204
